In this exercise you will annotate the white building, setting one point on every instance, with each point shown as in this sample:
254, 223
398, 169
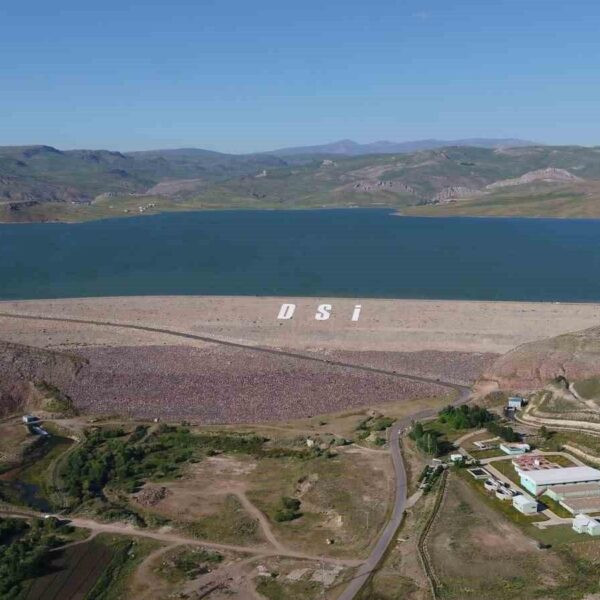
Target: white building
537, 482
585, 524
515, 449
516, 402
525, 504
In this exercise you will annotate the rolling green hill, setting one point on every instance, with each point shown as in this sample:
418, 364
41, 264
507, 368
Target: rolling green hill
41, 183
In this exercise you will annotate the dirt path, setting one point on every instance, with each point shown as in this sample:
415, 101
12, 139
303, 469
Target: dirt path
178, 539
262, 520
145, 583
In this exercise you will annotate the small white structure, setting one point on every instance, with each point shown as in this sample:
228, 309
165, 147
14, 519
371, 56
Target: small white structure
455, 458
515, 449
30, 419
525, 504
585, 524
516, 402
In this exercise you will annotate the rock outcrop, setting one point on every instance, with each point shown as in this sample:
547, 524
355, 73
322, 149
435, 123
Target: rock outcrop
531, 366
549, 175
23, 366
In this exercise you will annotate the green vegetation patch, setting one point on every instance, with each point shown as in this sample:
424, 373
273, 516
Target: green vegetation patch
123, 461
24, 552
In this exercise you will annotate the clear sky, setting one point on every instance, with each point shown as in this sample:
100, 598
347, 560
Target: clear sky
244, 75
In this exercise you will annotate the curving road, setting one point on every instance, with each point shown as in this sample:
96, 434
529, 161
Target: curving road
388, 533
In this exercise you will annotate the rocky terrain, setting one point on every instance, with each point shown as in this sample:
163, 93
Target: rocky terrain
575, 356
549, 175
23, 366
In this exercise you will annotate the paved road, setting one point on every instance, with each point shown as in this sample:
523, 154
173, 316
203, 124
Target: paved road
400, 490
389, 532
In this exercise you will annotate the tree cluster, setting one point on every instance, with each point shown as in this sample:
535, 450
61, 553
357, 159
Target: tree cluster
426, 440
507, 433
465, 416
25, 555
289, 510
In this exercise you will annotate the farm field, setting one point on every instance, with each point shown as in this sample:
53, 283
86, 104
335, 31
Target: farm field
72, 572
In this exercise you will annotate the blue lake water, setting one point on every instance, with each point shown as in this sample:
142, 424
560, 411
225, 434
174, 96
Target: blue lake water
355, 253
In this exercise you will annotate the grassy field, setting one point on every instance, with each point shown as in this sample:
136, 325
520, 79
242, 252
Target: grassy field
229, 524
479, 553
345, 498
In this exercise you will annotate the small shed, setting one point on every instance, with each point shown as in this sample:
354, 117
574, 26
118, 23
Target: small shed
516, 402
585, 524
525, 504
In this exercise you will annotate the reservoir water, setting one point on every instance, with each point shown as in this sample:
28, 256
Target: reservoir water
354, 253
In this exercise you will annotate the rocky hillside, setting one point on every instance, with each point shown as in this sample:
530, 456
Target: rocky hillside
575, 356
41, 183
22, 368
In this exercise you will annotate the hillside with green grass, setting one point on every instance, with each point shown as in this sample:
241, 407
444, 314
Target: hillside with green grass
41, 183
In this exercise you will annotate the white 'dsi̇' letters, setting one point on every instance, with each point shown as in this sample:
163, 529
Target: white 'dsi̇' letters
287, 310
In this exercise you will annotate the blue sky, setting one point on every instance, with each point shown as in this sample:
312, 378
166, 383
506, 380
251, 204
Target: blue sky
240, 75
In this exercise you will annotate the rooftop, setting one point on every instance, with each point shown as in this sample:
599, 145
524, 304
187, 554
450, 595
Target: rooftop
533, 462
567, 488
565, 475
591, 504
523, 500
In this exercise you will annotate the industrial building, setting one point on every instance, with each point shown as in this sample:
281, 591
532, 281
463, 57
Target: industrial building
577, 490
538, 481
577, 498
532, 462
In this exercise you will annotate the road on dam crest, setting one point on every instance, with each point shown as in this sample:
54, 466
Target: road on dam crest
388, 533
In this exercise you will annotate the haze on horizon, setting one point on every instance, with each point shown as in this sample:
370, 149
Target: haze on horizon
243, 77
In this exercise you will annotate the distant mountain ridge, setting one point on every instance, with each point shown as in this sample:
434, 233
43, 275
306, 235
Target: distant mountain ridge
352, 148
42, 183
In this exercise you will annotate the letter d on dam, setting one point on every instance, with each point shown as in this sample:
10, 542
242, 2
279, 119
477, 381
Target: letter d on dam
286, 311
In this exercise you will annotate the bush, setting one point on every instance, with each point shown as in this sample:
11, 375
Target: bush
289, 510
